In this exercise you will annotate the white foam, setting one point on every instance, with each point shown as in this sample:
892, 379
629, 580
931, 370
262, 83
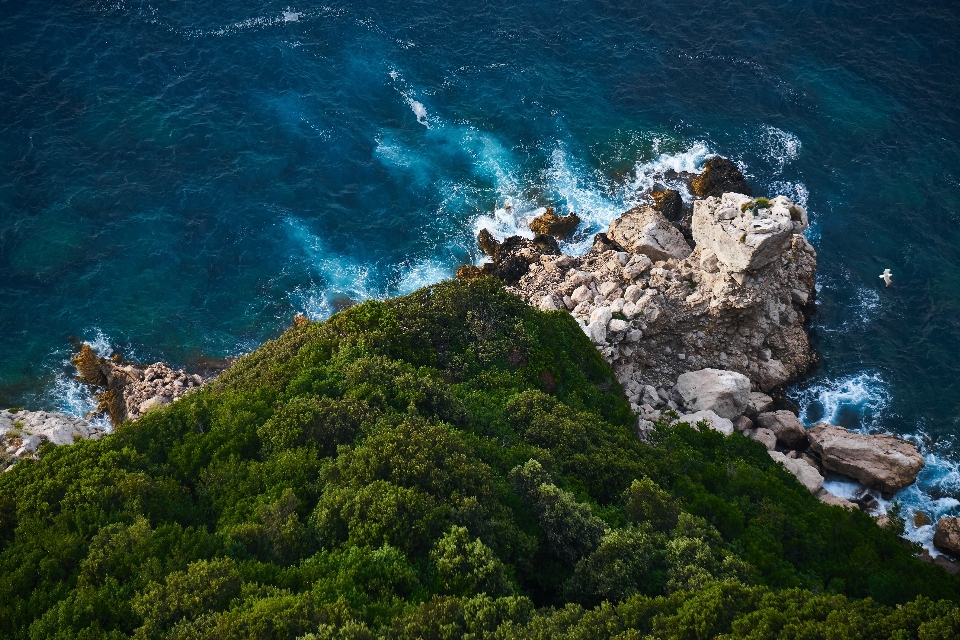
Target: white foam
418, 110
857, 402
661, 170
779, 147
421, 274
796, 191
290, 15
337, 275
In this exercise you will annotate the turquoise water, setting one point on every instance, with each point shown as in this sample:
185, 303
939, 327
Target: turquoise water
178, 179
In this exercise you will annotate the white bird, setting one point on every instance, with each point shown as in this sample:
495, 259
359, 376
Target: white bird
885, 276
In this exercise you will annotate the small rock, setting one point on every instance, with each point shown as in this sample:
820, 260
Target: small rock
606, 288
828, 498
787, 428
806, 475
601, 314
758, 403
765, 437
597, 332
743, 423
650, 397
645, 230
716, 422
617, 326
581, 294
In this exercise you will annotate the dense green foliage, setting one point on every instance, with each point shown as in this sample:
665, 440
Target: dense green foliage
449, 464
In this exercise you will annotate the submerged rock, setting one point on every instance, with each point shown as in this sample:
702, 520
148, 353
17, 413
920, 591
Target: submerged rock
879, 461
719, 176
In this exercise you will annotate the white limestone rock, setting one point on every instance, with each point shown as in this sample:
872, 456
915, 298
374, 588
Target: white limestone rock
807, 475
717, 423
724, 392
766, 437
744, 238
644, 230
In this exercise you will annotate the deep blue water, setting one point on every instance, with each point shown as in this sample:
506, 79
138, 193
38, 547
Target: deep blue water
177, 179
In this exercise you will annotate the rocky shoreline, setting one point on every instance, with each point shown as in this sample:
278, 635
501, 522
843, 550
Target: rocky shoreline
700, 311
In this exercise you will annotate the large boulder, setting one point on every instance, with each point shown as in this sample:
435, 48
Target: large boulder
746, 234
718, 177
946, 538
808, 476
645, 230
715, 422
786, 427
726, 393
882, 462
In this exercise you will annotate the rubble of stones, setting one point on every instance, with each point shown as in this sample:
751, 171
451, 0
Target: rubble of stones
22, 433
723, 400
129, 390
656, 308
704, 332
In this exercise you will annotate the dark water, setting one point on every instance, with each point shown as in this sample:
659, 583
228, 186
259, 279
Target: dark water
177, 179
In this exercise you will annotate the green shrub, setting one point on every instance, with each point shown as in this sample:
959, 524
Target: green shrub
448, 463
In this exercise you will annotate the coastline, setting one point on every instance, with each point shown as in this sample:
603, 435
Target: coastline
665, 293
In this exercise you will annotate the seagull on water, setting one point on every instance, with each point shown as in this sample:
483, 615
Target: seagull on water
885, 276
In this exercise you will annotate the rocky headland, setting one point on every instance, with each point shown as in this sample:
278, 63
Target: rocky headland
701, 310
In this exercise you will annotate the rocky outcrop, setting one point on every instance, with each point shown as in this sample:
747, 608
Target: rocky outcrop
669, 203
127, 390
746, 234
511, 258
553, 225
724, 392
879, 461
719, 176
655, 320
946, 538
786, 427
22, 433
644, 230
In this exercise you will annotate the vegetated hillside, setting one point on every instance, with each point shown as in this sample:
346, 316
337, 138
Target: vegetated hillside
448, 464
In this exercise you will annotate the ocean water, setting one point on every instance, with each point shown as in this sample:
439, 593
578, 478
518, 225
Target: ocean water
178, 179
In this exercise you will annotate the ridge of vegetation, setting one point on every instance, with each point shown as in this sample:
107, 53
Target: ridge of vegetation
448, 464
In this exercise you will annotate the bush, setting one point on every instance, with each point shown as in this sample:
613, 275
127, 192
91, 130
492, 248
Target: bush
452, 463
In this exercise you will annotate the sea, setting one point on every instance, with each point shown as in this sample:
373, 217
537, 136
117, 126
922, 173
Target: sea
178, 179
